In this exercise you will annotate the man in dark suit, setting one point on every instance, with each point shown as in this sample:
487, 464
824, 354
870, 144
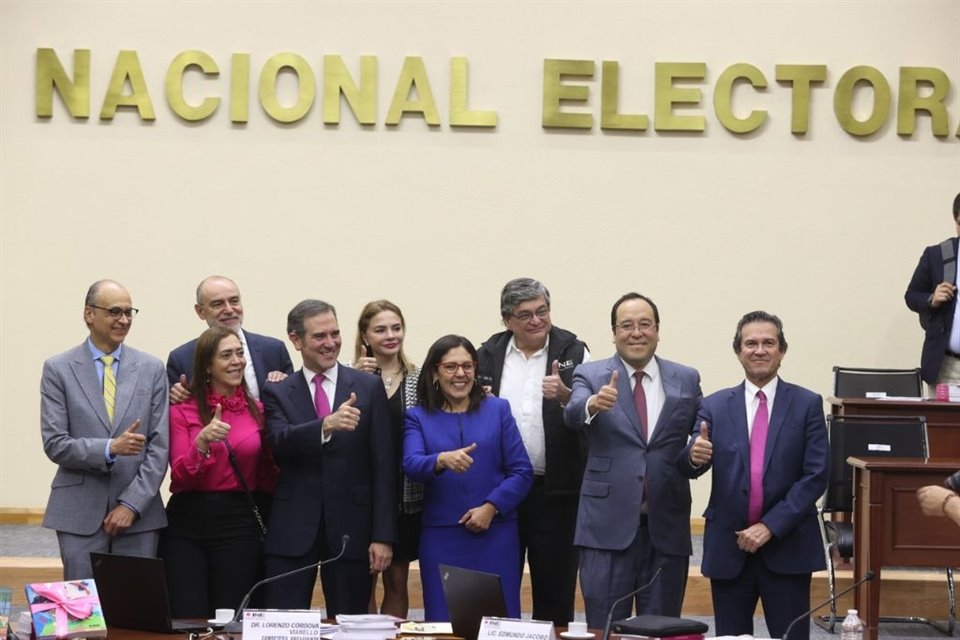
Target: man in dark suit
218, 303
634, 513
103, 418
766, 441
531, 364
935, 300
337, 471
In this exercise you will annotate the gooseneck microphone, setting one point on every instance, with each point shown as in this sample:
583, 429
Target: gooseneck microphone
867, 577
606, 628
236, 625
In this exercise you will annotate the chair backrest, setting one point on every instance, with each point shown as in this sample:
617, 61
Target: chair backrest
853, 382
868, 436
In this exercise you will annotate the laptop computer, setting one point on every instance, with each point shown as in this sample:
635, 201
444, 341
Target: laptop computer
470, 596
133, 594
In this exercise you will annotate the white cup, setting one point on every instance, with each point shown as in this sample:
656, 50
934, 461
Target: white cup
224, 615
577, 628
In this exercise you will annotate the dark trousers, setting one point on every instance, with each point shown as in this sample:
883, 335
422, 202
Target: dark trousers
785, 596
547, 525
346, 582
211, 552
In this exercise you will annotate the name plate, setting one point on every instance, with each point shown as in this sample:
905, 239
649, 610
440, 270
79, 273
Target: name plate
510, 629
273, 624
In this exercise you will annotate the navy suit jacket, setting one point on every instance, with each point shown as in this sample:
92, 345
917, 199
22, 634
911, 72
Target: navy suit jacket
795, 467
619, 459
268, 354
926, 277
349, 482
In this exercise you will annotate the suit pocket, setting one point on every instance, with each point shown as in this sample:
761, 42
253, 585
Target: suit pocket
595, 489
600, 464
66, 478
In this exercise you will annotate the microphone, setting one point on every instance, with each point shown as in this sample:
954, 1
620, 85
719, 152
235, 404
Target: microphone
606, 628
867, 577
236, 625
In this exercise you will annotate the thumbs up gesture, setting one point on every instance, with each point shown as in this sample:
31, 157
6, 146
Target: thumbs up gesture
215, 431
553, 387
345, 418
180, 392
702, 450
606, 398
458, 460
128, 443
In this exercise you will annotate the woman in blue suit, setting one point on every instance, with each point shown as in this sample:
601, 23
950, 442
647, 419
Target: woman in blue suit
466, 449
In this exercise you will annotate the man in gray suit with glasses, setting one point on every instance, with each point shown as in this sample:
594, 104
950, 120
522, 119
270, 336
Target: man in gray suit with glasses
103, 419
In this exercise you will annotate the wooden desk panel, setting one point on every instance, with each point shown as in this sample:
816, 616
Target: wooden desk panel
943, 419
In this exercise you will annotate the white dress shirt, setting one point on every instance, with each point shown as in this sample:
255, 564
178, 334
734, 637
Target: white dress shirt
329, 386
750, 391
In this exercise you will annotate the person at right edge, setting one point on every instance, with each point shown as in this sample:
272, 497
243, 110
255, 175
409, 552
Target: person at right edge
770, 463
932, 293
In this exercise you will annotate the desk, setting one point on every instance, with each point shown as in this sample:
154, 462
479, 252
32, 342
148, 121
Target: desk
890, 529
943, 419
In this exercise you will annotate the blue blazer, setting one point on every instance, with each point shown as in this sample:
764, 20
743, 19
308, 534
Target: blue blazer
349, 482
619, 459
501, 472
268, 354
795, 472
926, 277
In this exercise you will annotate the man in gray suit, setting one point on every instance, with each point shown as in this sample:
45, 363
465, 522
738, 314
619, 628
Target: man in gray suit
103, 418
634, 516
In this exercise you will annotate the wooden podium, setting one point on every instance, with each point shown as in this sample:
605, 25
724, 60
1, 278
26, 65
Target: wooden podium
891, 530
943, 419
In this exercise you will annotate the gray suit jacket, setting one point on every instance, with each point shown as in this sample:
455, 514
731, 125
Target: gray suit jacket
619, 459
75, 430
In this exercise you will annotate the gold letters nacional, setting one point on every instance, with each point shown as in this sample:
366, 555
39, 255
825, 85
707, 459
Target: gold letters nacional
677, 93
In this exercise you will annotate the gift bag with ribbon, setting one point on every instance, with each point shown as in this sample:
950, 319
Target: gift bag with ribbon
66, 610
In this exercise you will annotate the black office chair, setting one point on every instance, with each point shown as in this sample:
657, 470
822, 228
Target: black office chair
854, 382
873, 436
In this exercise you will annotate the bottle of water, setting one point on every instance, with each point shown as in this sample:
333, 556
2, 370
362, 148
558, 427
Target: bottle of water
852, 627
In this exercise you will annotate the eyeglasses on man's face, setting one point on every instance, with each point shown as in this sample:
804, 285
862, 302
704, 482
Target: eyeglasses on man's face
116, 312
526, 316
644, 326
451, 368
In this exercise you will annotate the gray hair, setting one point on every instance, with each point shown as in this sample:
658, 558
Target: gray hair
91, 299
518, 291
306, 309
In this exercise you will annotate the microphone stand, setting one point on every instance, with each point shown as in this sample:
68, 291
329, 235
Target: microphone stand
606, 628
867, 577
236, 625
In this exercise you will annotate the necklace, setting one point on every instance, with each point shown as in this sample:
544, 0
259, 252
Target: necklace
388, 379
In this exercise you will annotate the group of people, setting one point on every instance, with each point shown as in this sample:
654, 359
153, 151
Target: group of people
526, 450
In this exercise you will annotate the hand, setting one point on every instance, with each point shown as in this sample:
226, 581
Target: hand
702, 450
180, 392
128, 443
753, 537
366, 363
553, 387
945, 292
276, 376
215, 431
479, 518
458, 460
931, 499
345, 418
606, 398
118, 520
380, 555
487, 390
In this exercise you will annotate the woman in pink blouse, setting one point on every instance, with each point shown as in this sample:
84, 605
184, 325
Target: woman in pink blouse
212, 546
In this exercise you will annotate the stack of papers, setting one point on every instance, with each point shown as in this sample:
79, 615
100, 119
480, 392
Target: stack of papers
367, 627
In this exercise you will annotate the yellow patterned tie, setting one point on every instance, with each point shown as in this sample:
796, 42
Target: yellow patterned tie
109, 385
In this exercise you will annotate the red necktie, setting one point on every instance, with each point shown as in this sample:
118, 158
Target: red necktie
758, 444
640, 399
320, 400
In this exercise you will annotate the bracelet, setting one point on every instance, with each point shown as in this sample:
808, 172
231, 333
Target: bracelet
946, 499
204, 454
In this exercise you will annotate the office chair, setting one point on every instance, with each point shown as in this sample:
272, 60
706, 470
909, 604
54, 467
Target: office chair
854, 382
873, 436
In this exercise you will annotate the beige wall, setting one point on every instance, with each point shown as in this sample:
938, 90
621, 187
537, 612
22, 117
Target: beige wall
823, 229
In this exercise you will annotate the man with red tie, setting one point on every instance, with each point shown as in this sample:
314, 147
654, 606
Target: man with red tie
329, 429
766, 441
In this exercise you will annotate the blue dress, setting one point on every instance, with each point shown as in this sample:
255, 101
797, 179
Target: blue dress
501, 474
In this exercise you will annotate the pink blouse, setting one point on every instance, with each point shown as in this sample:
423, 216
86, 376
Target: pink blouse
190, 471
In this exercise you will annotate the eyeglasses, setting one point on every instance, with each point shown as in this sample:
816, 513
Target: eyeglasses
629, 327
451, 367
116, 312
209, 634
527, 316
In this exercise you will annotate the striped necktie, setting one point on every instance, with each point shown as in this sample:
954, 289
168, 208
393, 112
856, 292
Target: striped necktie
109, 385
